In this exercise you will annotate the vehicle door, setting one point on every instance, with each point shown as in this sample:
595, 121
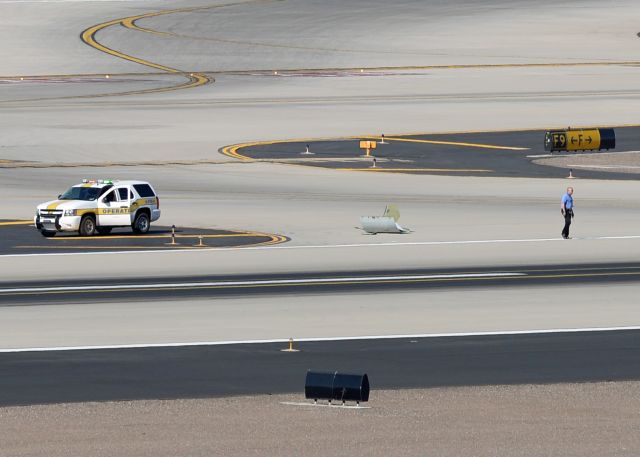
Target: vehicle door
113, 207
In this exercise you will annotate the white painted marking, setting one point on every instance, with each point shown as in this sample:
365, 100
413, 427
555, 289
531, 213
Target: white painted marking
324, 405
320, 339
594, 153
265, 282
334, 246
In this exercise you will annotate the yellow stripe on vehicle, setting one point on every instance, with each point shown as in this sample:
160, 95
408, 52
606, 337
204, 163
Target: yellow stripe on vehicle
54, 205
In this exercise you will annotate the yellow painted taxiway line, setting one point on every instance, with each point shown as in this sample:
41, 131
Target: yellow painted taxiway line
114, 247
146, 237
16, 222
88, 36
454, 143
232, 150
271, 240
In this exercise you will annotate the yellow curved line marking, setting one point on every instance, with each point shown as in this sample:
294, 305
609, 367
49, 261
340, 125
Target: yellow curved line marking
272, 240
456, 143
131, 23
167, 235
88, 36
232, 150
115, 247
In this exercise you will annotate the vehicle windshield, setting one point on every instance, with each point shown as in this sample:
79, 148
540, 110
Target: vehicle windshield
81, 193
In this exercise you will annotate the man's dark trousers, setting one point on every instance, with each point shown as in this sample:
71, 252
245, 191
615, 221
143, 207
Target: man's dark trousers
568, 214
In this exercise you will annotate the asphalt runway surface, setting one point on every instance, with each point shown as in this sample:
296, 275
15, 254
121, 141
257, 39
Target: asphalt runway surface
177, 288
263, 369
494, 154
25, 239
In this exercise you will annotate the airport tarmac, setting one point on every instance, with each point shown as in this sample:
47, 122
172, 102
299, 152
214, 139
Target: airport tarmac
206, 75
38, 377
500, 154
21, 237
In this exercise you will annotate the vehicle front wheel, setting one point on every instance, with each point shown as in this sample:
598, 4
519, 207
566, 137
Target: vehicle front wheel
47, 233
87, 226
141, 224
103, 230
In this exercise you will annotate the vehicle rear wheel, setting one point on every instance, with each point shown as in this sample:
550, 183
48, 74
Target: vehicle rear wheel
141, 224
104, 230
87, 226
47, 233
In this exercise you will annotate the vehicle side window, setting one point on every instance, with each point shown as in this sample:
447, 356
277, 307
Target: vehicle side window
123, 193
104, 190
144, 190
109, 197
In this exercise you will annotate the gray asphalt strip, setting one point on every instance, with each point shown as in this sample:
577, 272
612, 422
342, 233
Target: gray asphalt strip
242, 369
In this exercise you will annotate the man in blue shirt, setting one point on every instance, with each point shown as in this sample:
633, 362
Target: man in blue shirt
566, 209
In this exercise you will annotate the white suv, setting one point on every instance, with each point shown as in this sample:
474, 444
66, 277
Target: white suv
98, 206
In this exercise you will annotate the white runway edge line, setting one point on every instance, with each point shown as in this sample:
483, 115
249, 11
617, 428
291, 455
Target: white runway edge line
321, 339
265, 282
334, 246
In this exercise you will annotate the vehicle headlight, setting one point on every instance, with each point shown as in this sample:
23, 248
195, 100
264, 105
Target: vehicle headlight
70, 212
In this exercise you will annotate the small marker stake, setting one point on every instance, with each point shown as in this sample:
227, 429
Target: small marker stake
290, 348
200, 243
374, 163
173, 236
571, 174
306, 151
382, 140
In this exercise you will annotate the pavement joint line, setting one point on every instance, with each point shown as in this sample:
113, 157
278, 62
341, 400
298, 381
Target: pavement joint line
321, 339
301, 70
12, 164
271, 245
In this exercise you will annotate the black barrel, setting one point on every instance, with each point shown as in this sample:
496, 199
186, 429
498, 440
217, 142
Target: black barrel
319, 385
336, 386
607, 139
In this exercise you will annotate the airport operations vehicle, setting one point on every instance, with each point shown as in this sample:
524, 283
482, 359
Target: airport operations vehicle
98, 206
